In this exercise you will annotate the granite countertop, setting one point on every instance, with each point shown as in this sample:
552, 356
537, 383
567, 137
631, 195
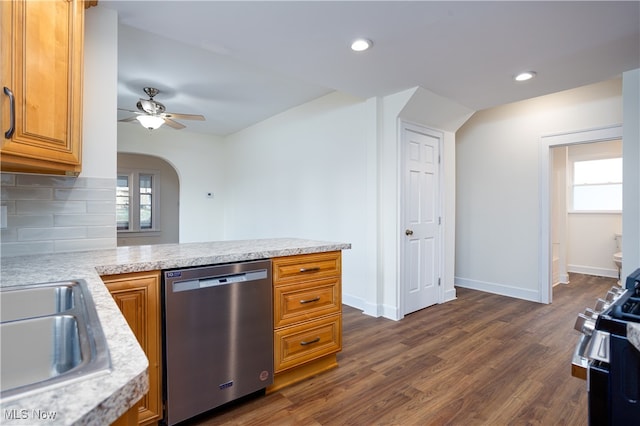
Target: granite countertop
102, 399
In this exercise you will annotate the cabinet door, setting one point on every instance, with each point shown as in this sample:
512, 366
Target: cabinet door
138, 297
42, 67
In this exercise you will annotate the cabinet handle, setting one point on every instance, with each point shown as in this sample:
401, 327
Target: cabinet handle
315, 299
303, 270
303, 343
12, 113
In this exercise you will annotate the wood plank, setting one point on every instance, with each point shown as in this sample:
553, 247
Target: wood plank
481, 359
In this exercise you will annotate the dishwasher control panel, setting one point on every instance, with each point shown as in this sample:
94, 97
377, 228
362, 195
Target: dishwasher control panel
194, 284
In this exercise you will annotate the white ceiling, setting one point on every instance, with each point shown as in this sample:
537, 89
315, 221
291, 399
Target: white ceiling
239, 62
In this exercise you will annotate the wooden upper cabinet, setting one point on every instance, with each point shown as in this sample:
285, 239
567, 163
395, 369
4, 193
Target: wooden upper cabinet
42, 74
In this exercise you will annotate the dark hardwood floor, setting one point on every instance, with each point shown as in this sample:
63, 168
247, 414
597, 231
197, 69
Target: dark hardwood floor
482, 359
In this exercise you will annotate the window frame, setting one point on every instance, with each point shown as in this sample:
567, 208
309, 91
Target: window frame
571, 185
129, 220
134, 202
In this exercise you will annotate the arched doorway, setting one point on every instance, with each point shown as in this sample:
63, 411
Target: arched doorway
156, 219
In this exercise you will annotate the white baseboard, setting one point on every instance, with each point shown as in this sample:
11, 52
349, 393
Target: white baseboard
589, 270
354, 302
450, 295
385, 311
561, 279
370, 309
501, 289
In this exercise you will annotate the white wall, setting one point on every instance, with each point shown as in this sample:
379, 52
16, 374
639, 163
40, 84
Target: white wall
200, 163
306, 173
631, 172
497, 185
592, 243
100, 99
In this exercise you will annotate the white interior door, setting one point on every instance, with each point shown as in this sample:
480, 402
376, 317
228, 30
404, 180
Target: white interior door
421, 219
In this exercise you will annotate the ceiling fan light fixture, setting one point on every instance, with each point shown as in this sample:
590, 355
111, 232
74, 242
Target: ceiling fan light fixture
150, 122
524, 76
361, 44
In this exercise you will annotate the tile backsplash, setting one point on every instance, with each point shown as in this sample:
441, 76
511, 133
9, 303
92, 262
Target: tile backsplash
52, 214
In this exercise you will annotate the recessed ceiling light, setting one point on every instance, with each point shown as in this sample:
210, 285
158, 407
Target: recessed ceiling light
361, 44
524, 76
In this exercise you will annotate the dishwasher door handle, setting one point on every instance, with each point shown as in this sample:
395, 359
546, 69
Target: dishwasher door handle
196, 284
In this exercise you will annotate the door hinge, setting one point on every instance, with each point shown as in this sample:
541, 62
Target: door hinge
438, 281
438, 159
439, 220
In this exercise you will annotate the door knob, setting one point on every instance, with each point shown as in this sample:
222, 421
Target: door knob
408, 232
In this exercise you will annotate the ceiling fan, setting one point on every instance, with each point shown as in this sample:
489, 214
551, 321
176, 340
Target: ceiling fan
152, 114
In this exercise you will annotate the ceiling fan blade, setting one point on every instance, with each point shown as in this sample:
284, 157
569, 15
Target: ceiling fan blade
184, 116
129, 110
148, 106
169, 122
128, 119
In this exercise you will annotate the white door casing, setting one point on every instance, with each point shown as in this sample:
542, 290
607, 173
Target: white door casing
420, 213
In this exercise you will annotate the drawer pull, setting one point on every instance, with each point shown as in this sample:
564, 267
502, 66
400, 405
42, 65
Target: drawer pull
315, 299
304, 270
303, 343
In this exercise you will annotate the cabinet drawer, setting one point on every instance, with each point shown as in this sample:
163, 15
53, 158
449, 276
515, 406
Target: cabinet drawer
308, 300
306, 267
296, 345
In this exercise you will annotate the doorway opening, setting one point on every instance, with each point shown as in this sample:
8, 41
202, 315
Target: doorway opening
147, 207
548, 192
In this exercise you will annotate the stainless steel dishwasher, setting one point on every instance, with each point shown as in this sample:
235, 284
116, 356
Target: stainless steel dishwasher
218, 336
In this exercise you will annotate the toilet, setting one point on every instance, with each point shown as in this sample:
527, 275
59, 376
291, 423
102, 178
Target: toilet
617, 257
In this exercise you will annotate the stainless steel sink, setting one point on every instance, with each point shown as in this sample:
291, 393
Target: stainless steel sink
50, 335
35, 301
53, 349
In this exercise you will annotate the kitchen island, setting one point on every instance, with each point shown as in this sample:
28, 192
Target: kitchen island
104, 398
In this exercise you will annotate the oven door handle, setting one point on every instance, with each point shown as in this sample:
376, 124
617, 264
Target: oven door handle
579, 363
598, 346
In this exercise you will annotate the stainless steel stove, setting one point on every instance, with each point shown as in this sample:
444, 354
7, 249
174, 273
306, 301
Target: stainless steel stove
607, 359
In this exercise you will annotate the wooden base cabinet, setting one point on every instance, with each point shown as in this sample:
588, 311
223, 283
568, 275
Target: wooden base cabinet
42, 76
138, 297
129, 418
307, 316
